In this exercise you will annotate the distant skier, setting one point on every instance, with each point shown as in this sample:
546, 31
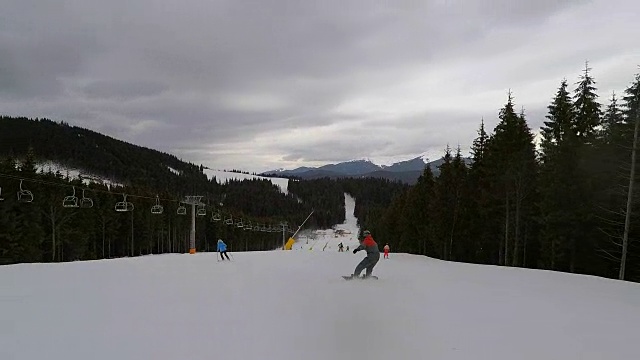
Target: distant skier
373, 255
222, 249
386, 251
340, 247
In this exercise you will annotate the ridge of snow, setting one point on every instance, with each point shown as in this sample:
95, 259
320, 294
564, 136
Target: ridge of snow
223, 176
177, 172
74, 173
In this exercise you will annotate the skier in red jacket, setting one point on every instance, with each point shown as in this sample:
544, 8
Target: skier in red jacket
386, 251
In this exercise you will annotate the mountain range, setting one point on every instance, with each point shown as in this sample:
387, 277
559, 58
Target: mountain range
407, 171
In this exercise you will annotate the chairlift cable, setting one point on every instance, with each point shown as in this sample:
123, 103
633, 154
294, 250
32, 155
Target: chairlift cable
43, 182
126, 195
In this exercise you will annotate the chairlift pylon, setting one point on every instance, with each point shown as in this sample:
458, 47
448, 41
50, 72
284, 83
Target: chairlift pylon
157, 209
124, 205
85, 202
1, 198
70, 201
25, 196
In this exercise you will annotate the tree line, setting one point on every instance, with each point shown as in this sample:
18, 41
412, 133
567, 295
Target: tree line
567, 204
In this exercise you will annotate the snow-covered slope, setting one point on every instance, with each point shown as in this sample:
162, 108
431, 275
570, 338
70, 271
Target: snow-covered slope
221, 176
328, 240
294, 305
73, 173
224, 176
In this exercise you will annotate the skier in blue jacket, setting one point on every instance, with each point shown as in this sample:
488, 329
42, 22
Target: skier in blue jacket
222, 249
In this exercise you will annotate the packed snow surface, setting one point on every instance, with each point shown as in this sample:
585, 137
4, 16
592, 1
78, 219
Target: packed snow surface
295, 305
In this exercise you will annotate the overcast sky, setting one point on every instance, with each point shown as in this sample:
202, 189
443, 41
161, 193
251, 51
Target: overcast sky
259, 85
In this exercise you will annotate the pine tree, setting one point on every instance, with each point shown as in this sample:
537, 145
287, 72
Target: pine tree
632, 102
588, 122
444, 209
632, 118
559, 126
460, 247
567, 178
481, 205
511, 156
524, 182
479, 147
557, 175
611, 121
587, 108
609, 160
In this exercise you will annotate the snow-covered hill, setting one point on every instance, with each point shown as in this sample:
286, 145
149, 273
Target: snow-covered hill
295, 305
223, 176
220, 175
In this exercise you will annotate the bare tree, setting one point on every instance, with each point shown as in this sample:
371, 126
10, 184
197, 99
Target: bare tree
627, 220
57, 219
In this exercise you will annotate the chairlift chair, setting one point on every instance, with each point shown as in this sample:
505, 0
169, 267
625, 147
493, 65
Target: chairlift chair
182, 210
25, 196
239, 223
70, 201
157, 209
201, 210
216, 216
229, 220
124, 205
247, 226
85, 202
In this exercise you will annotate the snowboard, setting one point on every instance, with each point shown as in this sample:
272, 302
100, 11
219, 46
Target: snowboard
351, 277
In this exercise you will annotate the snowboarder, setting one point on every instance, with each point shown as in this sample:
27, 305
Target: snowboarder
222, 249
386, 251
373, 255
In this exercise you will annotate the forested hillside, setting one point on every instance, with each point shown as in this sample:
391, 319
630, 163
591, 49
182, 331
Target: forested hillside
36, 226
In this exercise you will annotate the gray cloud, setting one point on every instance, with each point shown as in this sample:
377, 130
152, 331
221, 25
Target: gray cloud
256, 85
